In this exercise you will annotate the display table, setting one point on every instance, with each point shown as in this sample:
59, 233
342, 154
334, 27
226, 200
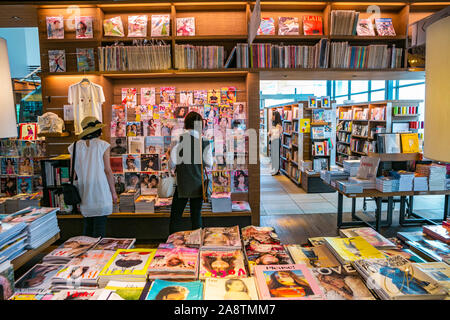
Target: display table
378, 197
30, 254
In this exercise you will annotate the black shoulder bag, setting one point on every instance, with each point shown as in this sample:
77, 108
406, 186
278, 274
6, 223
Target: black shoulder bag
70, 192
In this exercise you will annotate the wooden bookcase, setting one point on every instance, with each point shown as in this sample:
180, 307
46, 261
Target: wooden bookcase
389, 122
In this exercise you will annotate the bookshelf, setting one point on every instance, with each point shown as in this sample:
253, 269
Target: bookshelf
359, 123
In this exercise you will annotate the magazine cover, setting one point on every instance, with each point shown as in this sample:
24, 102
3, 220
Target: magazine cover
83, 27
312, 25
119, 112
136, 145
113, 27
239, 111
55, 27
134, 129
118, 146
137, 26
152, 127
77, 295
262, 235
230, 289
28, 131
26, 166
186, 97
313, 257
240, 181
6, 280
266, 254
341, 283
76, 276
365, 28
171, 290
228, 95
213, 96
38, 278
288, 26
154, 144
122, 290
289, 282
131, 162
438, 271
85, 59
10, 166
177, 259
150, 162
9, 186
73, 247
32, 296
352, 249
167, 94
129, 261
24, 184
186, 26
181, 112
119, 182
116, 164
317, 241
384, 27
160, 25
129, 97
57, 60
221, 182
189, 238
200, 96
114, 244
266, 27
433, 249
132, 181
97, 255
148, 96
28, 214
118, 129
221, 237
373, 237
222, 264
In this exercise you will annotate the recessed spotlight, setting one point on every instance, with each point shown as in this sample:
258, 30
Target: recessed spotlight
16, 18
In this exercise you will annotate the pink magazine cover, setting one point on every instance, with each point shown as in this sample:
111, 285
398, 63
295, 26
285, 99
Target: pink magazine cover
167, 94
174, 259
287, 282
221, 264
148, 96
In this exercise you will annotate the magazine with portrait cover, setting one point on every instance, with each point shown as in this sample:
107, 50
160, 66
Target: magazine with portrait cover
177, 262
405, 253
137, 26
134, 129
222, 264
6, 280
313, 257
351, 249
188, 238
118, 146
213, 96
38, 278
77, 295
80, 276
221, 182
118, 129
228, 95
240, 181
85, 59
384, 27
128, 262
186, 97
122, 290
262, 235
83, 28
341, 283
287, 282
231, 289
395, 278
70, 249
312, 25
221, 237
131, 162
114, 244
288, 26
167, 95
129, 97
160, 25
26, 166
171, 290
200, 97
57, 60
266, 254
55, 27
186, 26
373, 237
116, 164
148, 95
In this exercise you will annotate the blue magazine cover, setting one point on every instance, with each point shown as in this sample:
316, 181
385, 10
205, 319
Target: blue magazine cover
171, 290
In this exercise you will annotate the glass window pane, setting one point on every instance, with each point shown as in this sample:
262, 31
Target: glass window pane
377, 84
360, 86
360, 97
405, 82
377, 95
274, 102
340, 100
412, 92
341, 87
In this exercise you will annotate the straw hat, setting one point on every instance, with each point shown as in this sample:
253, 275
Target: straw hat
89, 125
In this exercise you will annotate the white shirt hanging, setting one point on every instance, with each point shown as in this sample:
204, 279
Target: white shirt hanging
87, 100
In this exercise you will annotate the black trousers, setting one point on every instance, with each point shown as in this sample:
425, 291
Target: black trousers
95, 226
176, 212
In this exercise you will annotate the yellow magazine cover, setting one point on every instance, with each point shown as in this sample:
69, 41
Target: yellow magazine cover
410, 142
305, 125
129, 262
354, 248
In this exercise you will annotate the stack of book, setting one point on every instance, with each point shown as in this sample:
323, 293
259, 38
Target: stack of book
420, 182
42, 224
365, 183
199, 57
127, 200
127, 265
436, 175
395, 278
387, 184
343, 22
405, 179
172, 262
330, 175
145, 204
13, 237
134, 58
70, 249
351, 166
349, 187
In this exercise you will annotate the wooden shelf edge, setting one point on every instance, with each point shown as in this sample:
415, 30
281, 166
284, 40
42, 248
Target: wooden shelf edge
159, 215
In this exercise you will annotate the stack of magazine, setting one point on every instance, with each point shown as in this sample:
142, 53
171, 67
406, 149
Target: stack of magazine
347, 250
13, 238
199, 57
70, 249
171, 262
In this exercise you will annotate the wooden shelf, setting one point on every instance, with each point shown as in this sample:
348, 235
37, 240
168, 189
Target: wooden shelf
212, 38
361, 153
30, 254
360, 137
54, 134
343, 142
117, 215
396, 157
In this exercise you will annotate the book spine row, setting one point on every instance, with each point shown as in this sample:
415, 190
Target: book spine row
405, 110
344, 22
134, 58
199, 57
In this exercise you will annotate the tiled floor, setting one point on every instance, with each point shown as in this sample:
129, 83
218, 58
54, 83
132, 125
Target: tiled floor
280, 196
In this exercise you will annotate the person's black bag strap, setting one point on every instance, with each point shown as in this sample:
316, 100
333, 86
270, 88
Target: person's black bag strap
70, 192
72, 169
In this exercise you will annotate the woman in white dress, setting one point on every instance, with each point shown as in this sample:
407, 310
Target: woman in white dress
95, 178
274, 136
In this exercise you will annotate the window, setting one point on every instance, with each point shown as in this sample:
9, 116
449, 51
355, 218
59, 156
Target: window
377, 95
359, 86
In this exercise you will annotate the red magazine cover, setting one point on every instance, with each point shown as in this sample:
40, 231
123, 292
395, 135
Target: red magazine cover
312, 25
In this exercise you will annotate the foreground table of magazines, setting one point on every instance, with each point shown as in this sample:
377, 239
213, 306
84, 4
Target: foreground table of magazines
226, 263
